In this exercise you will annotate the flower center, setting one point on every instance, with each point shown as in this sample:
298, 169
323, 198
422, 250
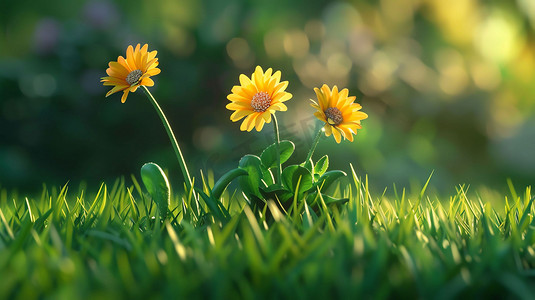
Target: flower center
133, 77
334, 116
260, 102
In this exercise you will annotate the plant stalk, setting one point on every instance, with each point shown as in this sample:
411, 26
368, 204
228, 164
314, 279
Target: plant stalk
174, 142
314, 144
277, 147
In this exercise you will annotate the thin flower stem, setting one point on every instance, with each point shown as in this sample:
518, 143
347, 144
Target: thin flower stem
277, 148
179, 156
314, 144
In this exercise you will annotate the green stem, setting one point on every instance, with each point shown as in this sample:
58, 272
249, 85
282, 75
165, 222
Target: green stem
314, 144
179, 156
277, 147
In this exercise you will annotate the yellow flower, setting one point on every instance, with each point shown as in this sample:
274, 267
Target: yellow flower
341, 116
257, 98
128, 74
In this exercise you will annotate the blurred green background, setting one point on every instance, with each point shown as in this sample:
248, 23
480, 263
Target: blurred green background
448, 85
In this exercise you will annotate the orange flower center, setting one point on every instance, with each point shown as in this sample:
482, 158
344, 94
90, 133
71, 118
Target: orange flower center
261, 102
334, 116
133, 77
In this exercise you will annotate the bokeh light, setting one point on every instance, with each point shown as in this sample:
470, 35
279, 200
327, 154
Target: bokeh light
448, 86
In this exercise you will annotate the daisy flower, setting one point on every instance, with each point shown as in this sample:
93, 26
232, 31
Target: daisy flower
257, 98
341, 115
128, 74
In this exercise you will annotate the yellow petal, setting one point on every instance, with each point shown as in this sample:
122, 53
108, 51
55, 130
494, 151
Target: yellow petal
361, 115
325, 89
114, 79
117, 70
257, 78
353, 127
144, 48
315, 105
321, 116
267, 75
328, 129
116, 89
280, 87
246, 92
319, 96
249, 91
236, 90
350, 116
138, 58
121, 60
277, 77
350, 100
277, 107
244, 80
252, 121
147, 82
259, 70
334, 97
153, 72
259, 123
151, 55
239, 98
322, 100
150, 64
238, 106
111, 79
337, 135
344, 93
110, 83
125, 94
266, 116
239, 114
346, 132
143, 62
270, 86
130, 58
282, 97
245, 124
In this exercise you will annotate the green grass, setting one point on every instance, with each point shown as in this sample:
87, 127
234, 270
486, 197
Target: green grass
74, 244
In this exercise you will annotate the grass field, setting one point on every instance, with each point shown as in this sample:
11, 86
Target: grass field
75, 243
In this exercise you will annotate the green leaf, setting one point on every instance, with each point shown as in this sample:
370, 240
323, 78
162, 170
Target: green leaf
157, 185
295, 174
250, 184
327, 179
309, 165
313, 199
40, 222
225, 180
526, 216
267, 175
22, 236
215, 206
273, 188
321, 166
332, 200
269, 155
278, 191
